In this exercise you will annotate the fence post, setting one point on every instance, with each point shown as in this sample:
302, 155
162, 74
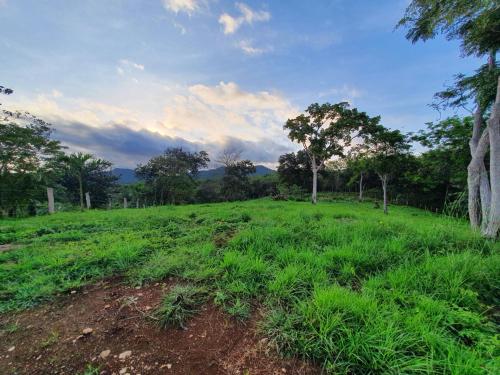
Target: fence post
87, 199
125, 203
50, 196
137, 203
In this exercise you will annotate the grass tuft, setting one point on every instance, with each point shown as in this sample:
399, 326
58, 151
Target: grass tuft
180, 304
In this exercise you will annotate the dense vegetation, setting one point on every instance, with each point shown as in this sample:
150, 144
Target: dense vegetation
340, 284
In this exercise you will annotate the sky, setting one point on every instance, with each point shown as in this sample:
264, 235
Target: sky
126, 79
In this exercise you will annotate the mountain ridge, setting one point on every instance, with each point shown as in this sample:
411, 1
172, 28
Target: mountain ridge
127, 175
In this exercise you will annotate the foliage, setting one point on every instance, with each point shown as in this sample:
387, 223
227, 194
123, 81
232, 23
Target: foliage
235, 183
328, 129
81, 173
480, 88
169, 177
25, 149
340, 284
295, 169
474, 23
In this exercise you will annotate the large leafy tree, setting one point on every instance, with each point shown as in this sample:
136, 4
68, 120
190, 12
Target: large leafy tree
25, 149
171, 175
326, 131
477, 25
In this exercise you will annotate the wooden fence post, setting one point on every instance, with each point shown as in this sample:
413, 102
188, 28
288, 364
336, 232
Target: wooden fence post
50, 196
87, 199
125, 205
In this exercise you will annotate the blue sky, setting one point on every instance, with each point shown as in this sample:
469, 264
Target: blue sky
124, 79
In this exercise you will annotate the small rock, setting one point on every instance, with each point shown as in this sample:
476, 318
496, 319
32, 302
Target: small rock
107, 306
123, 370
283, 370
169, 366
39, 357
125, 354
11, 349
73, 292
87, 331
104, 354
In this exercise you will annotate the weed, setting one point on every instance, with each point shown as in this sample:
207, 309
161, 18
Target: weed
51, 339
91, 370
180, 304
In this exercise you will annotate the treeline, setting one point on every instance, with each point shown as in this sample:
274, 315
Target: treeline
170, 178
435, 179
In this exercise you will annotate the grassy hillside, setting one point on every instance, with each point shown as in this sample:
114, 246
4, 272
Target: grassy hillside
340, 284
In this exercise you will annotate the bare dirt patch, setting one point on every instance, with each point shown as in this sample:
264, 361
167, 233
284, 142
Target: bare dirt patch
78, 330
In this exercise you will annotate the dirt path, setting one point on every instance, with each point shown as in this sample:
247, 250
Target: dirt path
50, 339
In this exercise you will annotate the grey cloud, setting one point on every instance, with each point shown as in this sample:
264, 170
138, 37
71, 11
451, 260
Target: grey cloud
126, 147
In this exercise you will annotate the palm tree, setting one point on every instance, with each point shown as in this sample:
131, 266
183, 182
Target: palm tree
76, 164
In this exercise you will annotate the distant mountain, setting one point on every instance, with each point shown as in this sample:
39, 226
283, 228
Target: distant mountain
127, 176
215, 173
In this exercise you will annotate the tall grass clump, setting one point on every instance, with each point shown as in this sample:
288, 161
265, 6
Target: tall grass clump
180, 304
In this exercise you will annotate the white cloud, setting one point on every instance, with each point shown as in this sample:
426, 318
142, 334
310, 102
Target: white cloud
247, 15
181, 28
211, 112
128, 63
186, 6
247, 47
56, 93
344, 93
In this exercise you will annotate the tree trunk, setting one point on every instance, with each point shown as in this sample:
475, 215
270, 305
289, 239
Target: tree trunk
50, 198
314, 197
80, 183
494, 135
87, 199
384, 178
361, 187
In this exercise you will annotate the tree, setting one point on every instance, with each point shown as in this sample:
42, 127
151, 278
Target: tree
25, 149
171, 175
358, 164
82, 172
235, 183
476, 25
295, 169
388, 149
326, 131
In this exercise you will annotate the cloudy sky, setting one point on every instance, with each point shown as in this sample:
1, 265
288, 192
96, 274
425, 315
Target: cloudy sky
124, 79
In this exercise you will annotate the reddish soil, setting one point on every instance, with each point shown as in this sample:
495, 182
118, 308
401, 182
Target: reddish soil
50, 340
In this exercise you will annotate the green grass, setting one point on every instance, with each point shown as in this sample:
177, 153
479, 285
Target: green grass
341, 284
181, 303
